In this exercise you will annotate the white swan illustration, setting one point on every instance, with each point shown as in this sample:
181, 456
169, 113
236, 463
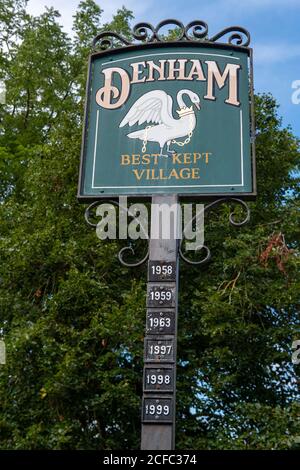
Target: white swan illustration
156, 107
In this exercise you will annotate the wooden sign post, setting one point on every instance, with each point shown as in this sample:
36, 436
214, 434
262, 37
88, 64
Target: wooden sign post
167, 120
159, 378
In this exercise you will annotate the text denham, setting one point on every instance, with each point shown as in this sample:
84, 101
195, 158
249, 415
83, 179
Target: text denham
111, 97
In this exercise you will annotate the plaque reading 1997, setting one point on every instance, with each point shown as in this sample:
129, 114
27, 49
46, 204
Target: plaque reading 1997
157, 349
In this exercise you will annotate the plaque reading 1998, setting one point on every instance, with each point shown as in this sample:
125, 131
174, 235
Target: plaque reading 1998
159, 379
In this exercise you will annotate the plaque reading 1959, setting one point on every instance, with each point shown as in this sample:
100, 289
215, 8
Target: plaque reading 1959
157, 409
161, 295
160, 321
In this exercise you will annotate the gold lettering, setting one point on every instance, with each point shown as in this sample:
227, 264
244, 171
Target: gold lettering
125, 159
187, 158
155, 156
176, 158
197, 156
136, 72
146, 159
196, 70
180, 70
153, 177
159, 68
108, 92
138, 173
135, 159
206, 156
214, 75
173, 174
161, 175
184, 171
195, 173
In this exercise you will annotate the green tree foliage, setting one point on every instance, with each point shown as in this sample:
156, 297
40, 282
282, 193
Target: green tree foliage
73, 318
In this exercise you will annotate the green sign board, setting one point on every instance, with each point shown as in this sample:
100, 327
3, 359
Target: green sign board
168, 120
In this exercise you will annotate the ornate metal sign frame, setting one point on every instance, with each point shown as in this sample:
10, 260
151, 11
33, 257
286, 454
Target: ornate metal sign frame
146, 36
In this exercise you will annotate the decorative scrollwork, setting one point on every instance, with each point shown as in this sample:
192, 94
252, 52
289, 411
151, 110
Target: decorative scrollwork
199, 31
140, 32
126, 249
196, 30
180, 30
130, 248
105, 40
240, 39
206, 209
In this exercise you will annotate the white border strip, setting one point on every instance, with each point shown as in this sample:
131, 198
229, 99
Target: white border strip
95, 147
171, 53
242, 146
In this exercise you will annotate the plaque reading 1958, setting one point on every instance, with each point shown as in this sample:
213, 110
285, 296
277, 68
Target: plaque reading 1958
161, 271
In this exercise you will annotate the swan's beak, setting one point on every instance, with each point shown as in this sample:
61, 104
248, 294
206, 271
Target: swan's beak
197, 105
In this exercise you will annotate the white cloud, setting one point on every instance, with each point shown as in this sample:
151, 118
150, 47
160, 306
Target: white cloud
139, 7
275, 53
223, 13
67, 9
268, 3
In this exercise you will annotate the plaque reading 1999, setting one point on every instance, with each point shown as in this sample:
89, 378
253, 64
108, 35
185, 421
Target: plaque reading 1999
158, 409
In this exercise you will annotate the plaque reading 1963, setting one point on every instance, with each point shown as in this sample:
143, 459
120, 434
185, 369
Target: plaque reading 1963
160, 321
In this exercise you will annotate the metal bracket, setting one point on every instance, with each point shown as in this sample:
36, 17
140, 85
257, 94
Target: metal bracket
144, 33
130, 248
123, 251
206, 209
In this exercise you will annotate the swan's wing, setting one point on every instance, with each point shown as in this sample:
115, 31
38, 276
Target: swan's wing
154, 107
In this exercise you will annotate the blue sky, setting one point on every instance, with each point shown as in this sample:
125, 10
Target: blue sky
274, 26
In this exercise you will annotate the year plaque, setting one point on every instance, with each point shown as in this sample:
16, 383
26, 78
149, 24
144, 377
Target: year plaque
157, 409
159, 379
